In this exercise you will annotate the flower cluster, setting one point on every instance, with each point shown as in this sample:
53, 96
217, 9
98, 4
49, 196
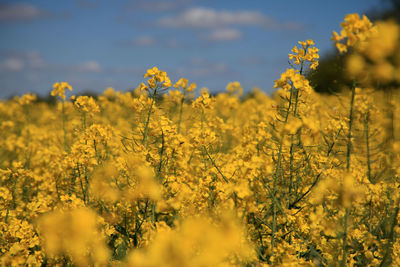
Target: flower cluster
306, 53
86, 104
25, 99
378, 59
234, 87
59, 89
157, 76
354, 30
183, 84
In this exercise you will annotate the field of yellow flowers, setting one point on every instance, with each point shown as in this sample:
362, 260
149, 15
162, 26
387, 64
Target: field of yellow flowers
158, 177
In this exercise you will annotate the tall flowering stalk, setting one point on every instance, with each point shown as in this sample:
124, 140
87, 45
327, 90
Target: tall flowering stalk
183, 85
293, 85
158, 81
355, 30
59, 90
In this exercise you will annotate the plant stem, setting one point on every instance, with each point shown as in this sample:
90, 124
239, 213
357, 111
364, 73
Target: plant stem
146, 127
277, 170
181, 113
348, 157
349, 144
64, 122
214, 164
366, 129
344, 255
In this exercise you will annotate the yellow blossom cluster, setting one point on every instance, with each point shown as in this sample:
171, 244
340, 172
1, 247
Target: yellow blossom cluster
157, 76
234, 87
354, 30
148, 178
25, 99
59, 89
377, 60
183, 84
305, 54
86, 104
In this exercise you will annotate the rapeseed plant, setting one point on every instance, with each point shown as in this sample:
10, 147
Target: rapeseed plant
150, 178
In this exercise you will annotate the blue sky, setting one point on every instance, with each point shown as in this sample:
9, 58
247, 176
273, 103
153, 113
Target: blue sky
95, 44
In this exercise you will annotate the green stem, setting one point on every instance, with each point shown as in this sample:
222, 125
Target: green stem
214, 164
146, 126
277, 169
161, 157
84, 120
291, 165
296, 102
64, 119
349, 144
344, 255
292, 140
366, 129
87, 186
387, 259
390, 129
13, 202
181, 113
348, 157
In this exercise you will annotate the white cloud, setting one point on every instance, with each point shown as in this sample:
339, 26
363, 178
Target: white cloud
215, 69
34, 60
253, 60
200, 17
90, 66
12, 64
14, 61
200, 68
144, 41
19, 12
88, 4
173, 43
19, 60
154, 6
221, 35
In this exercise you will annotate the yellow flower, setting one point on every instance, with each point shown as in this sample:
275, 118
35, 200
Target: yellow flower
305, 54
143, 87
167, 82
181, 83
86, 104
157, 77
151, 72
25, 99
336, 37
191, 87
235, 87
59, 89
355, 29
